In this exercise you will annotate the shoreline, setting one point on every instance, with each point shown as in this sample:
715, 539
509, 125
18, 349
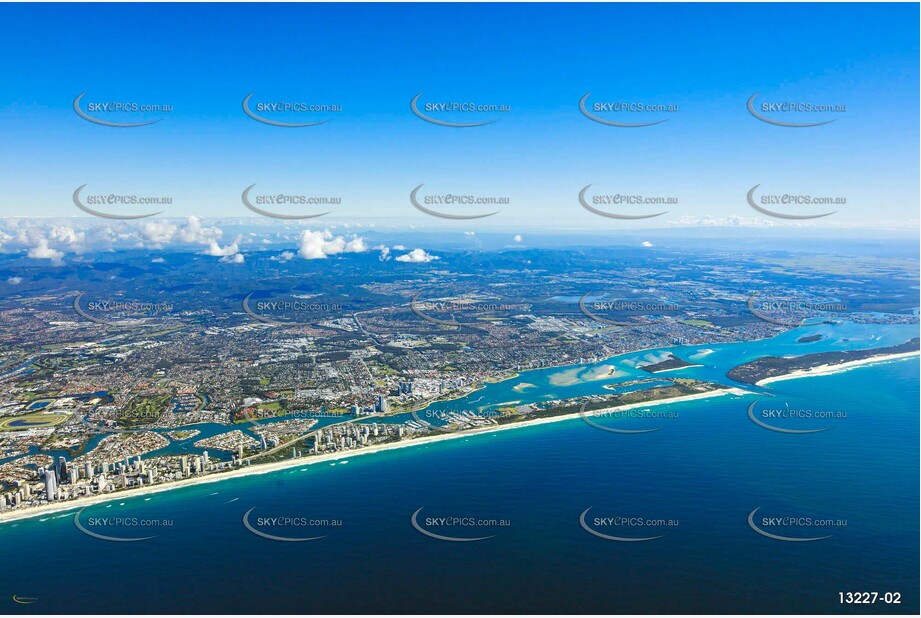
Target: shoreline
823, 370
81, 503
689, 366
86, 501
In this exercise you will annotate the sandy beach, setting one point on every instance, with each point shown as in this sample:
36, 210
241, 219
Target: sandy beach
318, 459
675, 369
820, 370
73, 505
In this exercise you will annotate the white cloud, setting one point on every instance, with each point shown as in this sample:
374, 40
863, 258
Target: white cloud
236, 258
319, 245
416, 256
158, 232
14, 280
285, 256
356, 245
194, 233
646, 243
216, 250
731, 221
158, 260
66, 235
42, 251
517, 238
385, 253
399, 248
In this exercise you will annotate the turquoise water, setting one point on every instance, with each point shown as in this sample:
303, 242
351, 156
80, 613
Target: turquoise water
590, 379
707, 469
541, 385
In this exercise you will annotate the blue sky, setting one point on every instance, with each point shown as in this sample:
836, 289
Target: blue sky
538, 59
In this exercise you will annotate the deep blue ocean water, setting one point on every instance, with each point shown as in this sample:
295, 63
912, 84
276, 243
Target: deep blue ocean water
707, 469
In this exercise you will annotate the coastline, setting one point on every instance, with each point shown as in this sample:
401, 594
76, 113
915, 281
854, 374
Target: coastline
822, 370
86, 501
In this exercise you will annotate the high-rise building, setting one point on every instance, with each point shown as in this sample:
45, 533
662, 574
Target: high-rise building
51, 484
62, 469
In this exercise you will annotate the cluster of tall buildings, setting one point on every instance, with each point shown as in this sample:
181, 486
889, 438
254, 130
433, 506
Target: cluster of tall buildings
62, 477
345, 437
61, 481
65, 480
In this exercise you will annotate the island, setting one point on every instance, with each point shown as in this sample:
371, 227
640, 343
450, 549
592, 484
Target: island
771, 368
671, 363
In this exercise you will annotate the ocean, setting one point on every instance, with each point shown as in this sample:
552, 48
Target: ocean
690, 487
